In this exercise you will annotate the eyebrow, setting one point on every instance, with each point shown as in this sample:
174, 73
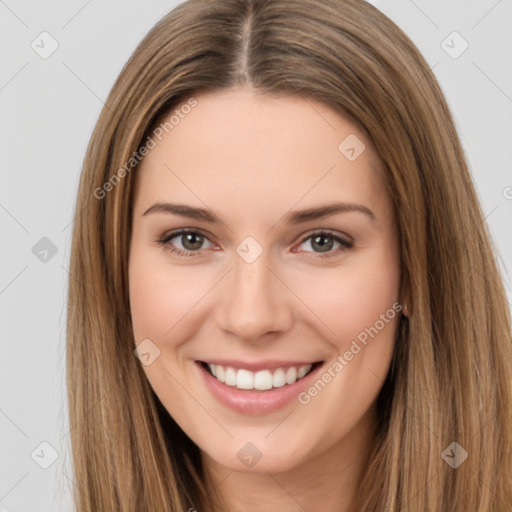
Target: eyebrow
294, 217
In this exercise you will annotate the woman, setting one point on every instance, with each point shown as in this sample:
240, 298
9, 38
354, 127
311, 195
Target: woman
284, 295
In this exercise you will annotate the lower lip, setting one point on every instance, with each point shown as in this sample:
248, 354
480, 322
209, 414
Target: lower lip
254, 401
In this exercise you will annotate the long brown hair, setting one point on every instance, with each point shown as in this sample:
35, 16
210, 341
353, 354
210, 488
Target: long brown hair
450, 379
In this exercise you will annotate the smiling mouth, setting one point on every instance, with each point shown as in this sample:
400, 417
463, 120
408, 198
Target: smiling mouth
262, 380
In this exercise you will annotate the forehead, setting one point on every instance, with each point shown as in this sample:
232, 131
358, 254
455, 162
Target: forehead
239, 149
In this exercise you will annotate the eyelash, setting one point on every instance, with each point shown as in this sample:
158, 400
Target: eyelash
345, 243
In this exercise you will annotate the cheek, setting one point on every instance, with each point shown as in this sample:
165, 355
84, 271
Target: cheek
162, 306
360, 306
151, 303
352, 299
160, 297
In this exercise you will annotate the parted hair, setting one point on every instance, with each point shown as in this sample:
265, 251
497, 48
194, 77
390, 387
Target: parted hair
450, 377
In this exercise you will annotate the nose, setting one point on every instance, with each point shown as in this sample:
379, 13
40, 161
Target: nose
254, 301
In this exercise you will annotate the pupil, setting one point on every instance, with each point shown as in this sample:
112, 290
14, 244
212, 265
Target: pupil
192, 241
321, 241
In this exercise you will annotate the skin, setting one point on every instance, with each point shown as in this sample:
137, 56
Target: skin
252, 160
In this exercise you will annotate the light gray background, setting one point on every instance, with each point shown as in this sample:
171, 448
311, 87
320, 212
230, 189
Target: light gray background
48, 110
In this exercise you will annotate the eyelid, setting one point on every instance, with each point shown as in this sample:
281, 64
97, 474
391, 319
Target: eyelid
345, 241
166, 237
328, 232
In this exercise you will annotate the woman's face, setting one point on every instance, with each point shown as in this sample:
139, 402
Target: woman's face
264, 248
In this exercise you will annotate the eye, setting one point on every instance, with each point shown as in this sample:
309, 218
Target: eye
188, 242
323, 242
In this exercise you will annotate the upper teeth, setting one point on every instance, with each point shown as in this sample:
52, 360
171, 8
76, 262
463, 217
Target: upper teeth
261, 380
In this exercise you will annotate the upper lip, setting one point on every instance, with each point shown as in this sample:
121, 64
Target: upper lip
258, 365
